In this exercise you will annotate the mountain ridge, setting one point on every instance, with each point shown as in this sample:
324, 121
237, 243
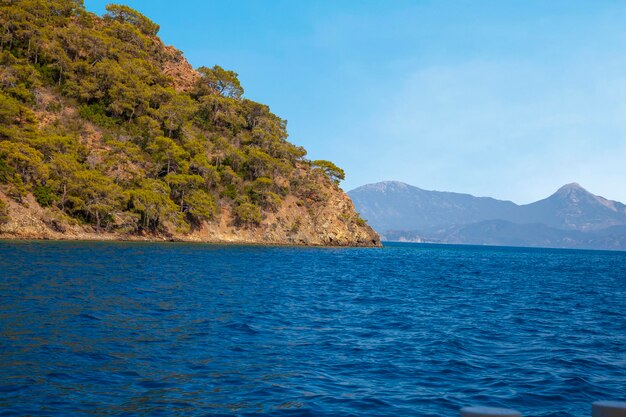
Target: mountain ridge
569, 217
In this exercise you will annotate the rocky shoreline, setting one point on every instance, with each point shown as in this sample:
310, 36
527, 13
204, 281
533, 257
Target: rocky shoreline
29, 221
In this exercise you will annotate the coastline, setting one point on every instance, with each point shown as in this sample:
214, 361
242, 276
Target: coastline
113, 237
30, 221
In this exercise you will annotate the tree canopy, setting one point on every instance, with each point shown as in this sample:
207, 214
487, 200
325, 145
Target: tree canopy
333, 171
126, 14
94, 125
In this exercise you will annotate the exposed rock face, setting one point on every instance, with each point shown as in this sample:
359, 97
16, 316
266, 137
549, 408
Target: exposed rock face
181, 71
331, 223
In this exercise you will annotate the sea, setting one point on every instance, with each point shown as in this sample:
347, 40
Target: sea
176, 329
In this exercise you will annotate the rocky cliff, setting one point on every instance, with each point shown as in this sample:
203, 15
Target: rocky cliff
332, 222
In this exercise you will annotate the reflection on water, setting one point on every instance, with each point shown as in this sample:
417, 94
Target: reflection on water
177, 329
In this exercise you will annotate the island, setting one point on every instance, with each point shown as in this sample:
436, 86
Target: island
106, 133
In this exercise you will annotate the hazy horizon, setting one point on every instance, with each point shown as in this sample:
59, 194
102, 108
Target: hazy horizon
508, 100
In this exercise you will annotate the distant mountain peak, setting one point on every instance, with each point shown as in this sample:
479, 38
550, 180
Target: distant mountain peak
394, 183
575, 194
385, 186
572, 186
572, 192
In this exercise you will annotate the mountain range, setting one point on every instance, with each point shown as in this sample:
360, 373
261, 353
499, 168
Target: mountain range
572, 217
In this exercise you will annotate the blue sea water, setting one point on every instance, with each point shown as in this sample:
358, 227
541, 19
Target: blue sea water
407, 330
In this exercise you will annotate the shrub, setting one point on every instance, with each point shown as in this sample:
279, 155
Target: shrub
295, 226
271, 201
200, 206
4, 212
96, 114
230, 191
44, 195
247, 214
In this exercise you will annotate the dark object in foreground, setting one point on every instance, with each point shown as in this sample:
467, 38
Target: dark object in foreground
598, 409
608, 409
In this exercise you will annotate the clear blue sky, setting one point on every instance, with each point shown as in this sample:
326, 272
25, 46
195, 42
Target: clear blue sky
509, 99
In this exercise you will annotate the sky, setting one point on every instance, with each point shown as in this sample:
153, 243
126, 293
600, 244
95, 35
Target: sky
507, 99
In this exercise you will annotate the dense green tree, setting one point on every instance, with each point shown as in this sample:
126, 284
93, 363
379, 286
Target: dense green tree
151, 200
201, 165
176, 112
167, 154
200, 206
94, 197
219, 80
62, 170
247, 214
51, 144
44, 195
220, 113
260, 192
126, 14
13, 112
23, 161
260, 164
181, 185
333, 171
10, 109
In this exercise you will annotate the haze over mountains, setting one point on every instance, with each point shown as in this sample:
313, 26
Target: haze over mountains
572, 217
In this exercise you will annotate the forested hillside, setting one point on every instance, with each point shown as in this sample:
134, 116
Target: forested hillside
104, 129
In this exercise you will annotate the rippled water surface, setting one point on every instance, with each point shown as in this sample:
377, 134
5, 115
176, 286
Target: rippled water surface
408, 330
